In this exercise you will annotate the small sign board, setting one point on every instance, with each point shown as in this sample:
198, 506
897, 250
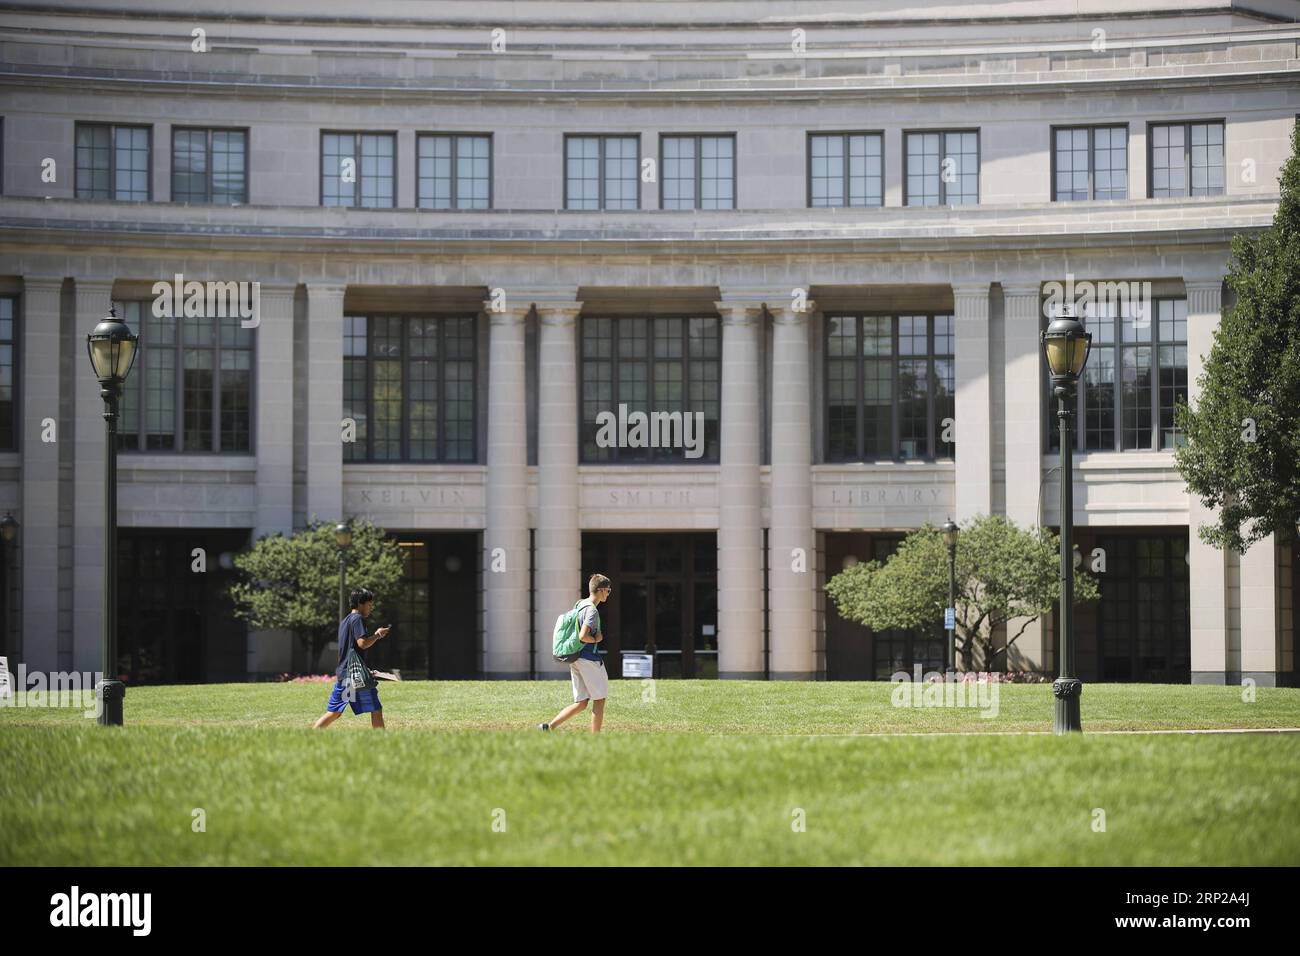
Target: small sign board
6, 688
950, 618
638, 665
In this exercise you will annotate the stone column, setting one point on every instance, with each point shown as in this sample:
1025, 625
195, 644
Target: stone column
324, 401
974, 429
740, 517
1260, 654
505, 540
1207, 566
39, 535
559, 538
792, 572
273, 346
1024, 396
93, 298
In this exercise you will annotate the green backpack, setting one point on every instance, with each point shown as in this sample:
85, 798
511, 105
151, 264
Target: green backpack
566, 645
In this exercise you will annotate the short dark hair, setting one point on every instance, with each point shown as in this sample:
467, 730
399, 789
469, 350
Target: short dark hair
597, 582
360, 596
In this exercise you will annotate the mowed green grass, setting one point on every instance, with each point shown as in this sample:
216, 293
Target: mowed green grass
726, 773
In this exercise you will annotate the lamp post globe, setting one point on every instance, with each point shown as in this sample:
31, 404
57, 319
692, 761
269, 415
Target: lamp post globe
1066, 344
111, 346
8, 527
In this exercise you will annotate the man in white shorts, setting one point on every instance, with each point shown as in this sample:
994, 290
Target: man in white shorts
590, 682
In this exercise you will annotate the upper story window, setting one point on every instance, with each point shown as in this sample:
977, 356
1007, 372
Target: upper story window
666, 368
1135, 377
697, 172
1186, 159
357, 170
453, 171
942, 168
600, 172
113, 162
8, 378
890, 387
1090, 162
408, 383
846, 169
209, 165
191, 388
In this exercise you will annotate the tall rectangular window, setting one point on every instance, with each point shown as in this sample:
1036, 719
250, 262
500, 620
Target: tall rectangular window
1135, 377
666, 364
191, 388
408, 383
112, 162
358, 170
846, 169
453, 171
209, 166
1090, 162
697, 172
8, 377
600, 172
1186, 159
891, 387
942, 168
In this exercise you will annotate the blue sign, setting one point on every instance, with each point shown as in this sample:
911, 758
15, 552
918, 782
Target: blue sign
950, 618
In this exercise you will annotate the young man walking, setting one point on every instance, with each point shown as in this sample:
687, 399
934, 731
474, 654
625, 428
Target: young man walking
352, 634
590, 682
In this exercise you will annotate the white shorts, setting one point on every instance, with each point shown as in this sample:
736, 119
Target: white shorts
589, 680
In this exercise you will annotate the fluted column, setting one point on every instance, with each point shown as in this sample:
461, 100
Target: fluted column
792, 573
1023, 398
274, 445
505, 539
974, 431
93, 298
1207, 565
559, 539
325, 401
39, 538
740, 518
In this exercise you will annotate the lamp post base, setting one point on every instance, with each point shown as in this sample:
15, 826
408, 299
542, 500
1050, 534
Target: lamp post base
1067, 691
110, 694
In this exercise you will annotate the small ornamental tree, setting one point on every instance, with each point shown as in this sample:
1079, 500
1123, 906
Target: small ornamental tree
1003, 573
292, 583
1242, 455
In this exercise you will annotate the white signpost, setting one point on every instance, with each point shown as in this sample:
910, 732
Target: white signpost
638, 665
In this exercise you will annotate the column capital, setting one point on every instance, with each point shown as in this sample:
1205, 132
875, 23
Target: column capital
326, 287
1204, 295
558, 314
786, 315
34, 283
739, 311
509, 317
1021, 289
277, 288
970, 289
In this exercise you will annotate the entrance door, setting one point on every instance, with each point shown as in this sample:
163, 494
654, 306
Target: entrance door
664, 600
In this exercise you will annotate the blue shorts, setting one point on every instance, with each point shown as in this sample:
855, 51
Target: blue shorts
367, 700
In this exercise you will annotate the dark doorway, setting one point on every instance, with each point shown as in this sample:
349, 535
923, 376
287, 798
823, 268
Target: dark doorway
175, 624
855, 652
664, 602
1140, 630
436, 635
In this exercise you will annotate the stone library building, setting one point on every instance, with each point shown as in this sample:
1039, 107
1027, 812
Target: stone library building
482, 244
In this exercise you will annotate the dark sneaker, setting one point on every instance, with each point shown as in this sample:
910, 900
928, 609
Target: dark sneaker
543, 726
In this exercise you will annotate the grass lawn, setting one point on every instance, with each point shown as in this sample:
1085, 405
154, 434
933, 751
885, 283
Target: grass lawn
706, 772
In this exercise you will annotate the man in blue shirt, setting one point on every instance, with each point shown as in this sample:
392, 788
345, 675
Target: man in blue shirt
590, 682
352, 634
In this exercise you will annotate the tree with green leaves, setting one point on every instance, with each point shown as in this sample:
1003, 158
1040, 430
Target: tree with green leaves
1003, 572
292, 583
1242, 454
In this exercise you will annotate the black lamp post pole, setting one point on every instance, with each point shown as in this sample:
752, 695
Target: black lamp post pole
112, 691
1067, 688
